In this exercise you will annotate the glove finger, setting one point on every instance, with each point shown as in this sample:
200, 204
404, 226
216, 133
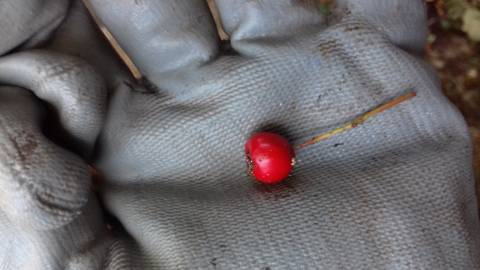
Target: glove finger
403, 21
161, 36
82, 244
262, 19
41, 185
69, 84
79, 32
28, 22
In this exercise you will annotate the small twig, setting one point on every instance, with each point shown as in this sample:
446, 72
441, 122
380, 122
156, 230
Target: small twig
218, 22
113, 42
359, 120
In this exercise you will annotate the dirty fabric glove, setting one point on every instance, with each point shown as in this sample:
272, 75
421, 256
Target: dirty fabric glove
27, 23
395, 193
52, 108
49, 218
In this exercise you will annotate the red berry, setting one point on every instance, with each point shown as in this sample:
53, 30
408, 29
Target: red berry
270, 157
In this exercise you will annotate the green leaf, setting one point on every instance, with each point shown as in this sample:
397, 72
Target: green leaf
324, 9
471, 23
445, 24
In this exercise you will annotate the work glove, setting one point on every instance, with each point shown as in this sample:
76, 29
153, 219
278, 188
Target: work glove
52, 108
394, 193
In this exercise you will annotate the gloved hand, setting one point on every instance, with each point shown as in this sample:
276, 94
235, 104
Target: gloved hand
395, 193
49, 217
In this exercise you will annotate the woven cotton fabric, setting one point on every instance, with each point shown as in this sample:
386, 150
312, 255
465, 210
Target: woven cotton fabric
394, 193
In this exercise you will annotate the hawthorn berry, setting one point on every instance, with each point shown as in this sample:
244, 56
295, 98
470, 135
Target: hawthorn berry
270, 157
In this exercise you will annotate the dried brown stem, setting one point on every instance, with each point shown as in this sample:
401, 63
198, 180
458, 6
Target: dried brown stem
113, 42
359, 120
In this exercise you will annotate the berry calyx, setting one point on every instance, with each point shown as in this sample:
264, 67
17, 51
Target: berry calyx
270, 157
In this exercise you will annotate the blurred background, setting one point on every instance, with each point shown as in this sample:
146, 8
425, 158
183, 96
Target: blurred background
454, 51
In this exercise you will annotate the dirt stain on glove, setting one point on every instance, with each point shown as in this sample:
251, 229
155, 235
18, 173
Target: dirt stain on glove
25, 145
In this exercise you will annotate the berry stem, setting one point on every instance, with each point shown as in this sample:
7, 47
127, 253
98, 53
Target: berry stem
359, 120
113, 42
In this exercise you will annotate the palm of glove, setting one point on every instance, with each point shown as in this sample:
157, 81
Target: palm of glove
392, 193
